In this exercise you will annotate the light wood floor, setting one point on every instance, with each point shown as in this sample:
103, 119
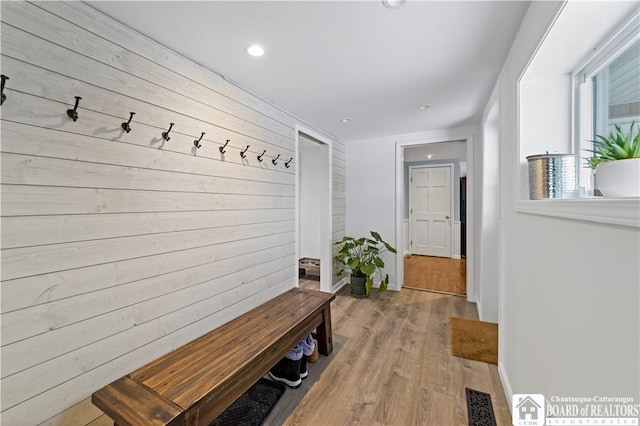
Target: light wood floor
309, 284
436, 274
391, 365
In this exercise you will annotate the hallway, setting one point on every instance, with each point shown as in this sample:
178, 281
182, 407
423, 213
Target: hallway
392, 365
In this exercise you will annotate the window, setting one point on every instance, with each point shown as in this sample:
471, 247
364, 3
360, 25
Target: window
557, 105
616, 92
608, 94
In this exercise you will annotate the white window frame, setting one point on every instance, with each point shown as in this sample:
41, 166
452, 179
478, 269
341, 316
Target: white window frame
583, 106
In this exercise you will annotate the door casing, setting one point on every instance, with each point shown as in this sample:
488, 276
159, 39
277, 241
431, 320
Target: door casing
326, 213
462, 133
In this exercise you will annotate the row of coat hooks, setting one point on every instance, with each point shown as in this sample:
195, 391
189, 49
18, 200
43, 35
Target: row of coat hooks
126, 126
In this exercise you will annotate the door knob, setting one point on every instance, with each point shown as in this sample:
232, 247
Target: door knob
446, 217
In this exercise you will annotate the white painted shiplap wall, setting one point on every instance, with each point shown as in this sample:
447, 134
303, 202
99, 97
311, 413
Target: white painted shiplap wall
118, 247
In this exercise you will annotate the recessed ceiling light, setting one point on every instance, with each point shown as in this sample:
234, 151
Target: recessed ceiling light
393, 4
423, 107
346, 120
255, 50
429, 156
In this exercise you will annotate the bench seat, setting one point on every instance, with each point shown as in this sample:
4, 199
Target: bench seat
195, 383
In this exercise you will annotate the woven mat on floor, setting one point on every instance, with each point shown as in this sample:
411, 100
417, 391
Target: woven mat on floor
435, 274
472, 339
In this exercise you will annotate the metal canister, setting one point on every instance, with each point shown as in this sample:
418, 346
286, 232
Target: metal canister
553, 176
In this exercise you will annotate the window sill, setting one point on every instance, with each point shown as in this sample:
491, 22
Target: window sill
613, 211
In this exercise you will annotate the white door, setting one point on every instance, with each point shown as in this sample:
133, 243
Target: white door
430, 211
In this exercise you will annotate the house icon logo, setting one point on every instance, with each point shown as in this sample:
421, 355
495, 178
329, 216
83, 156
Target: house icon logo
528, 409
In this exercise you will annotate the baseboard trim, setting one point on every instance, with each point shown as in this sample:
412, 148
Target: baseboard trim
390, 287
339, 285
345, 281
506, 386
394, 287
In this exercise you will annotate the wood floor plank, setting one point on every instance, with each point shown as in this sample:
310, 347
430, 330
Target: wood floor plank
393, 366
391, 405
442, 409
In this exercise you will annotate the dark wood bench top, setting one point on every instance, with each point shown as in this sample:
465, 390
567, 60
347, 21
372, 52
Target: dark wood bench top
193, 384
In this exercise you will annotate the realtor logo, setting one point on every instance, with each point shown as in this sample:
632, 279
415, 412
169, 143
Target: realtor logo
528, 409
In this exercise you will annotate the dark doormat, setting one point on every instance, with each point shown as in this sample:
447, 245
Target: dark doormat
253, 406
479, 408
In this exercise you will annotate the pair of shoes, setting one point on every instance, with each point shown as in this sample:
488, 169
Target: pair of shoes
287, 371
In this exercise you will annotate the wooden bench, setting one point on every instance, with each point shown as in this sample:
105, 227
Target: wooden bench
195, 383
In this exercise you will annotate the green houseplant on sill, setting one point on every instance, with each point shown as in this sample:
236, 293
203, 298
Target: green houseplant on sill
361, 258
616, 161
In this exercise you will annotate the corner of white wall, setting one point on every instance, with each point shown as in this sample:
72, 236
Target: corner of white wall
506, 386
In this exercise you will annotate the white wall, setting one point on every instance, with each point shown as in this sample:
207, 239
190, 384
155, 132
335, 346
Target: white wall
569, 308
310, 200
370, 193
487, 215
118, 247
338, 205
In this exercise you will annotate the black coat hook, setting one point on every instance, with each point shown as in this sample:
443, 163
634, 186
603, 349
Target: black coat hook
125, 126
261, 155
165, 135
274, 161
73, 113
243, 154
4, 97
222, 148
288, 162
197, 141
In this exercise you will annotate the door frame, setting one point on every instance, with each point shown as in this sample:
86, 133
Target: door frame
448, 135
326, 213
451, 201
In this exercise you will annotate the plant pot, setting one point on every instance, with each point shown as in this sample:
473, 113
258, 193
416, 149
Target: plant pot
358, 288
553, 176
619, 179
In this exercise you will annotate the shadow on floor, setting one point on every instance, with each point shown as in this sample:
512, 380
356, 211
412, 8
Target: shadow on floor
292, 397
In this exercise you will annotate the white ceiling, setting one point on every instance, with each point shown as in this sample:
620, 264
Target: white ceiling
328, 60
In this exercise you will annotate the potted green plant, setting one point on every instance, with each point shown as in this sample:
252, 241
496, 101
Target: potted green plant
616, 161
361, 258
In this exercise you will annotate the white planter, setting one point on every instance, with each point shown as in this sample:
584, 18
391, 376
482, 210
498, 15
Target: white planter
619, 179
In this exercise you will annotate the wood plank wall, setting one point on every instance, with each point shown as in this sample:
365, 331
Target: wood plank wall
118, 247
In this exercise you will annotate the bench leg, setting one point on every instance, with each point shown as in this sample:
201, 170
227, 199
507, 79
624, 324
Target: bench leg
324, 333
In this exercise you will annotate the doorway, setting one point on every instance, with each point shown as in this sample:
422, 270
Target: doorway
431, 151
313, 209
